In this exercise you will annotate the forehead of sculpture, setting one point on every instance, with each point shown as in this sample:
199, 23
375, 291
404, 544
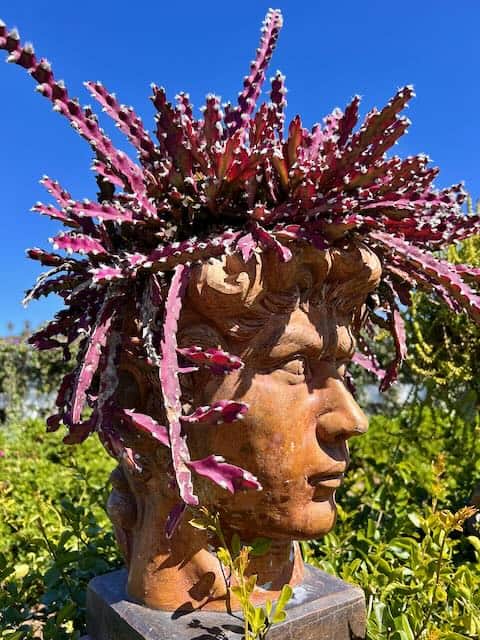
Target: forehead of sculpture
240, 296
316, 332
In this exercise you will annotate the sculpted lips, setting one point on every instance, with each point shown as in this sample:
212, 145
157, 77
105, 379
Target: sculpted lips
330, 479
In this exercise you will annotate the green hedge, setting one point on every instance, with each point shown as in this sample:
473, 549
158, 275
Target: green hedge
395, 535
54, 532
399, 533
29, 378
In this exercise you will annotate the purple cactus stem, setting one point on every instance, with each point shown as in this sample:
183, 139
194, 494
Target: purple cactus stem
105, 274
54, 422
217, 413
79, 432
218, 361
91, 359
267, 240
126, 119
146, 424
101, 211
78, 243
369, 364
167, 256
227, 476
252, 84
171, 391
397, 329
437, 270
55, 214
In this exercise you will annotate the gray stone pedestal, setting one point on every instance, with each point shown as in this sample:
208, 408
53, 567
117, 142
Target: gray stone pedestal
323, 608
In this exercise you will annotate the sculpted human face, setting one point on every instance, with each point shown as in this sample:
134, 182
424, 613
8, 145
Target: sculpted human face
294, 436
291, 324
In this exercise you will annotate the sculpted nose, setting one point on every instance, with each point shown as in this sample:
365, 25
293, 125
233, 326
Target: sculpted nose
340, 416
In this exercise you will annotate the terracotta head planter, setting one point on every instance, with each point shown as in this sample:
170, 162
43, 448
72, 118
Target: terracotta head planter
292, 324
220, 281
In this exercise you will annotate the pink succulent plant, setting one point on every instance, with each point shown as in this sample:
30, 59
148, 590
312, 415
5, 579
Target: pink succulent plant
236, 179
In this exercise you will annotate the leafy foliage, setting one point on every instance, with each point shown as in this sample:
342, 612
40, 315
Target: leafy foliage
398, 516
55, 535
445, 353
28, 377
235, 557
399, 531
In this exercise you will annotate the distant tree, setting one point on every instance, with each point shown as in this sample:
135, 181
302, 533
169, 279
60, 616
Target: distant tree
444, 351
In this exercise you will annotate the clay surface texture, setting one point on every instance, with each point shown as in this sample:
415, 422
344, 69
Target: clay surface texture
292, 324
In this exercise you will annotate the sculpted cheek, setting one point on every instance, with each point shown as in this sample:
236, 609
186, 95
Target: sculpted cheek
278, 439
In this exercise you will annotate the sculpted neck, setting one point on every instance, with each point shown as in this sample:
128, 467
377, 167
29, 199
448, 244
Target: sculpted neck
184, 572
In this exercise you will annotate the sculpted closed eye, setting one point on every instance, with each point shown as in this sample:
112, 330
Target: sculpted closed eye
297, 366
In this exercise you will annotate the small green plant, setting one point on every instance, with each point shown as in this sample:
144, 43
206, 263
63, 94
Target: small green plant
234, 559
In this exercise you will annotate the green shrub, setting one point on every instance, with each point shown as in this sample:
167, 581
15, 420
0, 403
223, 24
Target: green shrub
54, 532
27, 377
445, 347
399, 533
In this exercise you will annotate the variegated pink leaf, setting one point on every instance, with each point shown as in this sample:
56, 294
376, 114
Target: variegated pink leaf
146, 424
218, 412
227, 476
171, 391
218, 361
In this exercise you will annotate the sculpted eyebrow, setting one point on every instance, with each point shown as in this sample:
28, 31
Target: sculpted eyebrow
300, 342
342, 348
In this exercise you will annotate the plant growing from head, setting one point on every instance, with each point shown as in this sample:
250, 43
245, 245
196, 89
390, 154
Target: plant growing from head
237, 179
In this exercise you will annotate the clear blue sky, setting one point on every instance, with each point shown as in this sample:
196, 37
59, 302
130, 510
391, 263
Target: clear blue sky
328, 50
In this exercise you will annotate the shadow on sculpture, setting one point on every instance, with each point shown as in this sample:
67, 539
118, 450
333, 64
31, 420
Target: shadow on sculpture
215, 633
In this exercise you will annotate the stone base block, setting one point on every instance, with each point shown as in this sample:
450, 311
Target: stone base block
323, 608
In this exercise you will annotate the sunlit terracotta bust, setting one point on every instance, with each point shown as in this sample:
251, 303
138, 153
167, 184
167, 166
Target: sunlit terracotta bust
293, 326
241, 183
